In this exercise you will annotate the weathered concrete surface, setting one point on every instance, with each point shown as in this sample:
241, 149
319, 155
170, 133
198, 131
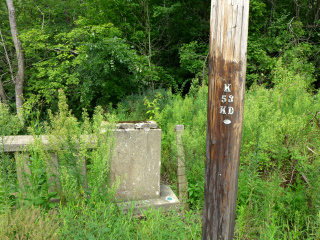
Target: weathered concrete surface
137, 161
166, 202
53, 174
19, 142
22, 168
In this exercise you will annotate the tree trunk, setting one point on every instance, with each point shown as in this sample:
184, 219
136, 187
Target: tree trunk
227, 73
18, 82
3, 97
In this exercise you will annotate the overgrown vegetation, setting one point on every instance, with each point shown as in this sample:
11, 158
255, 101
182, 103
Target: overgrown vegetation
278, 196
278, 193
143, 60
87, 208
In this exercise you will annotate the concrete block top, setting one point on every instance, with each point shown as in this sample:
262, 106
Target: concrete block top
179, 127
137, 125
19, 142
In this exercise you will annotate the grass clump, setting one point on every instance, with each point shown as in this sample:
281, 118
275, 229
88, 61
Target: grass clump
105, 221
29, 223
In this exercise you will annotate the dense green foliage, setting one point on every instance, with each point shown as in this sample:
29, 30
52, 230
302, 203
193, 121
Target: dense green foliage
101, 51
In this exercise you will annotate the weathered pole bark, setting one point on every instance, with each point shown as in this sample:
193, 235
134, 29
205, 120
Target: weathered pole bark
18, 82
227, 71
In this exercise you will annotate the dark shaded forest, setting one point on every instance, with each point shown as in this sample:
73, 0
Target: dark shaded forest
100, 51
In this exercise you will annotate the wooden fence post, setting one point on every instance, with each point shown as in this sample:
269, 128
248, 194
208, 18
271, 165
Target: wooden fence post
52, 171
181, 169
23, 170
227, 71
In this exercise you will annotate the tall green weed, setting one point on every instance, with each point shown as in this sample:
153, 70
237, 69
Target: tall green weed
9, 125
71, 141
83, 151
278, 183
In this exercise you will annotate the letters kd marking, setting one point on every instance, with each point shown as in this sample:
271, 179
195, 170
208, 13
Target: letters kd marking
223, 110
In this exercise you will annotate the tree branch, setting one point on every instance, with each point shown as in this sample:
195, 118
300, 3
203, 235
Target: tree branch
203, 69
41, 14
2, 92
7, 58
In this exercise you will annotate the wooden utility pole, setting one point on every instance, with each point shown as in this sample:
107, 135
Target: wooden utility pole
227, 73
